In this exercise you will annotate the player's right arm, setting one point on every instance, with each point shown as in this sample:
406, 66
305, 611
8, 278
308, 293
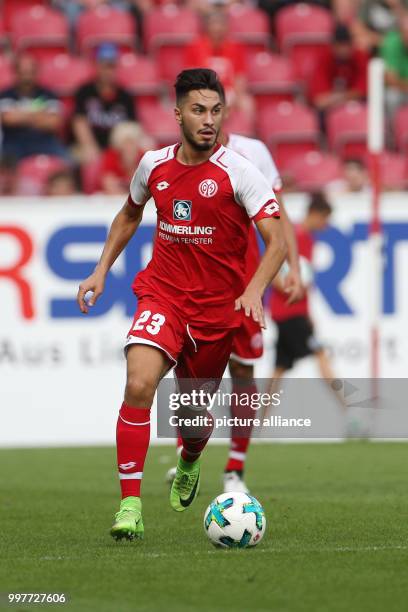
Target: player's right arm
122, 229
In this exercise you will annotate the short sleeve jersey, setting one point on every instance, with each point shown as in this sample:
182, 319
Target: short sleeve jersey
204, 212
256, 152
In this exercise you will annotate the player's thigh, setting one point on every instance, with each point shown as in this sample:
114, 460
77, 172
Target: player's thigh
206, 362
153, 344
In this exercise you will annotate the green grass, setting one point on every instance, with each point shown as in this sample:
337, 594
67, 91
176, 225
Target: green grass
337, 535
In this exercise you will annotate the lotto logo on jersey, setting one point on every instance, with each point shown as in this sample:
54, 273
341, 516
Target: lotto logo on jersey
208, 188
182, 210
271, 208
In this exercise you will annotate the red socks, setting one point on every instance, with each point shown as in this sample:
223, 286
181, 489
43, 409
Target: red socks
240, 436
132, 442
193, 447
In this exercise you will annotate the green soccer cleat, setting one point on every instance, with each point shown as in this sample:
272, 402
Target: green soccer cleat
128, 521
185, 485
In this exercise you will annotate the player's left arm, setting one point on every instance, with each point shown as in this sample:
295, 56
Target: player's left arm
293, 282
272, 259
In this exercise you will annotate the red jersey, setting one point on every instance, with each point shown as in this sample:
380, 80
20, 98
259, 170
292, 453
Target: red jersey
280, 309
203, 215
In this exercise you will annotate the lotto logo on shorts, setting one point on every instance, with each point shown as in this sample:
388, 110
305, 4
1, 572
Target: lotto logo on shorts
182, 210
208, 188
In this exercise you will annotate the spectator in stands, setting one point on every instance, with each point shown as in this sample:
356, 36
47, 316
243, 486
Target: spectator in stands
31, 116
61, 183
394, 51
7, 176
100, 105
215, 49
355, 179
128, 143
375, 19
341, 74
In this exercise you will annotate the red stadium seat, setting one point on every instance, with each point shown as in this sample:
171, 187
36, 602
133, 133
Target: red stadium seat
10, 8
63, 74
303, 23
401, 128
313, 170
6, 73
249, 26
34, 171
159, 122
105, 24
167, 31
42, 31
302, 30
239, 123
139, 75
347, 130
289, 129
271, 79
394, 170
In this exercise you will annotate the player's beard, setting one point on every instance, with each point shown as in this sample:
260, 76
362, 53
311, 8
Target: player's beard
204, 146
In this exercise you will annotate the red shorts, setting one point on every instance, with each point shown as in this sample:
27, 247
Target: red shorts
247, 346
195, 352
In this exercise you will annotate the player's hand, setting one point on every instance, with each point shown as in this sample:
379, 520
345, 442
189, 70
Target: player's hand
292, 285
251, 302
94, 283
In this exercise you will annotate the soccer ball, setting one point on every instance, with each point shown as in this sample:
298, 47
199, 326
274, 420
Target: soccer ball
235, 520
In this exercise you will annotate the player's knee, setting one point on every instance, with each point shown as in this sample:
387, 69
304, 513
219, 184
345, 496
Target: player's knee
139, 391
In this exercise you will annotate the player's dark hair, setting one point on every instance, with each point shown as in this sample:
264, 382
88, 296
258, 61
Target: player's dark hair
319, 203
198, 78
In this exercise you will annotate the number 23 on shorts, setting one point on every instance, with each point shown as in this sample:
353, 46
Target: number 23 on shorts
150, 322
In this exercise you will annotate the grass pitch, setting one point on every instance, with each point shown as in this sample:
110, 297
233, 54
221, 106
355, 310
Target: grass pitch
337, 534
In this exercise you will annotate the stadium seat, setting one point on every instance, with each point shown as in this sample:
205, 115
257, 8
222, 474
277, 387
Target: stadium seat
139, 75
167, 31
302, 30
6, 73
63, 74
347, 130
249, 26
42, 31
271, 79
10, 8
314, 169
34, 171
160, 124
239, 123
401, 128
394, 170
289, 129
105, 24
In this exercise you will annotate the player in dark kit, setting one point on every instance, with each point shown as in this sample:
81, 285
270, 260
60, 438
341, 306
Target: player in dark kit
192, 295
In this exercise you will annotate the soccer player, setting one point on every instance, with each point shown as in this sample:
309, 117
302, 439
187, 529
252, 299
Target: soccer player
192, 295
296, 338
247, 345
